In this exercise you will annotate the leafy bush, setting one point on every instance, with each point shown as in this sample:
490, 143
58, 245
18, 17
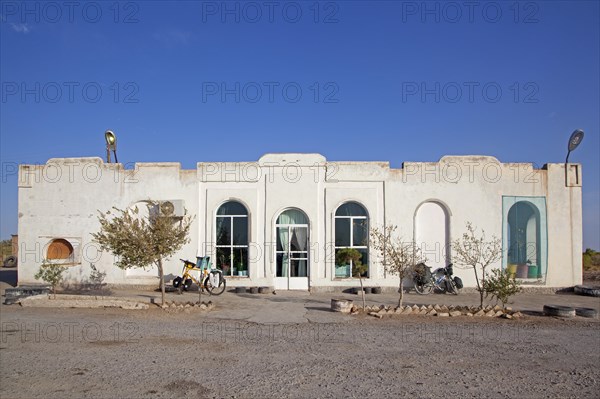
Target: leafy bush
52, 274
591, 260
501, 285
5, 249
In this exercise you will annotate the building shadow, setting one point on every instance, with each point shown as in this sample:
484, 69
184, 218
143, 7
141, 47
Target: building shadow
9, 276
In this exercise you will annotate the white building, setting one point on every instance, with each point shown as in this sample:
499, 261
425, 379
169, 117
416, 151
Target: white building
277, 222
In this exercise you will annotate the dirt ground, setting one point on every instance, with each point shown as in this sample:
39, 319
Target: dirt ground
290, 346
109, 353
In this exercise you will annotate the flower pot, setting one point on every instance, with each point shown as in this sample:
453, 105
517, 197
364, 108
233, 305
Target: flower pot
532, 271
511, 269
522, 270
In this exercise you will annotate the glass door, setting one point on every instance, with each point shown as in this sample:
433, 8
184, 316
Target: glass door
292, 263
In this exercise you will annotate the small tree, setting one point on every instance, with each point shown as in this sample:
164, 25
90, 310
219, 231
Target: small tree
501, 285
142, 241
346, 255
397, 256
51, 274
477, 252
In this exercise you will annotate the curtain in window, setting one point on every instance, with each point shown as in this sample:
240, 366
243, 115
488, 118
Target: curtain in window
292, 216
299, 237
283, 233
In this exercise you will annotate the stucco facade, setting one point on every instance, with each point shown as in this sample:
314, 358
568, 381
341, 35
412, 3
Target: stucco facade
296, 209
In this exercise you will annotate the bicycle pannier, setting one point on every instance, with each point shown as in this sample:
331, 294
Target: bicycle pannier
458, 282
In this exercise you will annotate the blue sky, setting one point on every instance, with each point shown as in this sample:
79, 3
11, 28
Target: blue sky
353, 80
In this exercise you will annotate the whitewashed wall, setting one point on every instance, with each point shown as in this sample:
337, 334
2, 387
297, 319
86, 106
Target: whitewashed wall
429, 202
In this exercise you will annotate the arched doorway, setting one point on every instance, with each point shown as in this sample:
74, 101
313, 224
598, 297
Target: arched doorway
432, 233
291, 252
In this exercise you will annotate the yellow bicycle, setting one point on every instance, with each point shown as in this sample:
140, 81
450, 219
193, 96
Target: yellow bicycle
208, 278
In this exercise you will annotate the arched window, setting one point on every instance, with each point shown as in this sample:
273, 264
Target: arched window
232, 239
59, 249
351, 231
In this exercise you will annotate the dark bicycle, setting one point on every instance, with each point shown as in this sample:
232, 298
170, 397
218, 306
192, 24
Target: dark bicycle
441, 279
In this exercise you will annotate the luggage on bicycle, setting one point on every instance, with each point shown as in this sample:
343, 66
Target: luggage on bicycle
458, 282
422, 273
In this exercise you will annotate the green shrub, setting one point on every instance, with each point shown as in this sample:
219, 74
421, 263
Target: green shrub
501, 285
52, 274
591, 260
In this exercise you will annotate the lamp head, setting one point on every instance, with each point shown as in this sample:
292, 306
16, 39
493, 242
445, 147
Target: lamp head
111, 139
575, 139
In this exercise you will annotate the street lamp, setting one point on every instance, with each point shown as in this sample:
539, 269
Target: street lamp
574, 141
111, 145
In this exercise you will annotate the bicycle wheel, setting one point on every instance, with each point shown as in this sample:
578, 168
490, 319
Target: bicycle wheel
422, 287
451, 287
215, 283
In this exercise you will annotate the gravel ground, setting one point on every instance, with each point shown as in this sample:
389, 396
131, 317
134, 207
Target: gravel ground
109, 353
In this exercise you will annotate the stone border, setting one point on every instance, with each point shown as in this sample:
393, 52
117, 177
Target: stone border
436, 310
187, 307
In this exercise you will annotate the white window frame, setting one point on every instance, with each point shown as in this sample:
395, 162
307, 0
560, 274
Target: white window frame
335, 247
232, 246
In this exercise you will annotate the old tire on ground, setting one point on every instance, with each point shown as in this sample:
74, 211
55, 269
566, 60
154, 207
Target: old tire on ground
10, 261
254, 290
376, 290
587, 290
586, 312
264, 290
368, 290
558, 310
240, 290
341, 305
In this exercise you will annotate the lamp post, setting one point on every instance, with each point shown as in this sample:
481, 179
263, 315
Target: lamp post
574, 141
111, 145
